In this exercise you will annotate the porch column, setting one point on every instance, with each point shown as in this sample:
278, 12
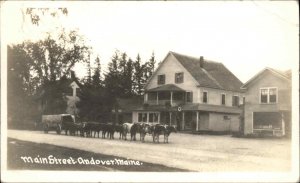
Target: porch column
156, 98
182, 124
170, 118
171, 98
159, 117
197, 120
282, 124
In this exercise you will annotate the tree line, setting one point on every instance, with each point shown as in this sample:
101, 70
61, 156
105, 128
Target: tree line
39, 74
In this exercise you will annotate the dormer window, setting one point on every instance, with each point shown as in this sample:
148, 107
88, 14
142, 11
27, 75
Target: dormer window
161, 79
179, 77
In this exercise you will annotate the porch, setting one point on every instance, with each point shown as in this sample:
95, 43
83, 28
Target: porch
169, 95
191, 117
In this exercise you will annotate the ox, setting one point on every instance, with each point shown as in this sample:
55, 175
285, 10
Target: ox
91, 127
164, 130
109, 129
73, 128
131, 128
119, 129
145, 128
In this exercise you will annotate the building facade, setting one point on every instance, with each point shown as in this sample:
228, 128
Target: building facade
123, 107
268, 103
192, 94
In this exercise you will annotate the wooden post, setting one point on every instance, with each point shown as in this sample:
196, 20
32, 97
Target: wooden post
282, 124
182, 126
197, 120
156, 98
171, 98
170, 118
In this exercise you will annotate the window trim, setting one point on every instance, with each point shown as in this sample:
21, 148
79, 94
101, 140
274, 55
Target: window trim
176, 77
268, 95
148, 118
158, 83
142, 117
205, 91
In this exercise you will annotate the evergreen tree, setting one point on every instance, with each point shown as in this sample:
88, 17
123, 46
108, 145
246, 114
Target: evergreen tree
128, 78
89, 71
112, 77
96, 78
151, 65
138, 77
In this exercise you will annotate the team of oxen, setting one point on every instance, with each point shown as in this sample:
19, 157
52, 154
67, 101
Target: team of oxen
94, 129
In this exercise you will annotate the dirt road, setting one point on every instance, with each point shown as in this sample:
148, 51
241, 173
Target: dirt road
185, 151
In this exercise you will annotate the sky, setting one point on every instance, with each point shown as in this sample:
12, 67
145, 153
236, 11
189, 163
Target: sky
245, 36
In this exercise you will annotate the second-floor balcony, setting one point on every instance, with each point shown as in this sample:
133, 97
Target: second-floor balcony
167, 95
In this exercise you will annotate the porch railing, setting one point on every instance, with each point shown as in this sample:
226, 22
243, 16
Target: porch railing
164, 102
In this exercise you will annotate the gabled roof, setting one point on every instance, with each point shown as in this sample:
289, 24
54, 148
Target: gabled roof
284, 75
211, 74
167, 87
74, 79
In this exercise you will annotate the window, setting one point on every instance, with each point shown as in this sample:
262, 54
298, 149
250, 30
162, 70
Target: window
268, 95
153, 117
142, 117
189, 96
272, 95
264, 96
235, 100
223, 99
226, 118
204, 97
179, 77
161, 79
178, 96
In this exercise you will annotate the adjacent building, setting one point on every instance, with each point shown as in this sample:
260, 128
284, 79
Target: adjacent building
123, 107
268, 103
192, 94
72, 90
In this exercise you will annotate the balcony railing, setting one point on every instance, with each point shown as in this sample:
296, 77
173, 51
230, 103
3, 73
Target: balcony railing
165, 102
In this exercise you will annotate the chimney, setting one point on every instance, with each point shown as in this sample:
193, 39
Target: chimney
201, 61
